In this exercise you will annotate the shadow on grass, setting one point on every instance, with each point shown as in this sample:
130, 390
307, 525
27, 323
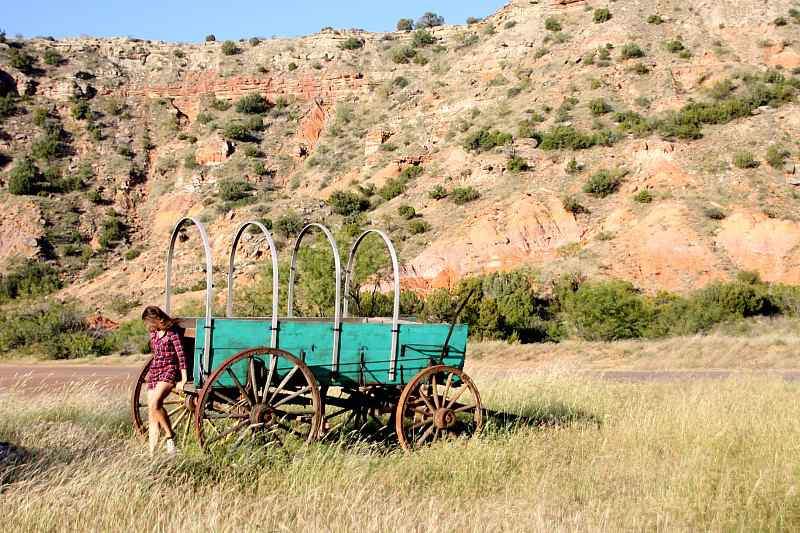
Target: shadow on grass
554, 414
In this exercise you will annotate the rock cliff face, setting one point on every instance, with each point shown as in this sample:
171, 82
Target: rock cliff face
162, 132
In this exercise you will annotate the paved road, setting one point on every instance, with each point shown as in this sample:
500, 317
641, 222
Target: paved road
46, 377
40, 377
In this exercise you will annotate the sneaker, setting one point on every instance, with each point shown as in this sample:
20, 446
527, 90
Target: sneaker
170, 445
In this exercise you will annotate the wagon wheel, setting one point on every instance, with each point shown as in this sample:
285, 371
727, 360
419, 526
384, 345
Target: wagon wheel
440, 402
259, 395
363, 410
180, 407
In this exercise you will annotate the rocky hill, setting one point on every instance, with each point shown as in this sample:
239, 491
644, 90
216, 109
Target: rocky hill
651, 141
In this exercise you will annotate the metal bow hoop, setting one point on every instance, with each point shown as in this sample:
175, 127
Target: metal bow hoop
337, 317
206, 362
348, 277
275, 281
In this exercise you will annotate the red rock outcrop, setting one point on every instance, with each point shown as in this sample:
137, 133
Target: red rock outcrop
213, 151
20, 228
771, 247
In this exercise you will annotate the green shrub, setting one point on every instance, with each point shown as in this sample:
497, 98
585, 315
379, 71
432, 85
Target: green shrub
517, 164
28, 278
133, 253
631, 51
392, 188
601, 15
411, 171
407, 212
403, 55
437, 193
674, 46
714, 212
415, 227
405, 25
229, 48
52, 57
603, 183
639, 68
23, 177
112, 231
572, 204
485, 139
292, 66
599, 106
643, 197
252, 103
551, 24
347, 203
289, 224
776, 156
744, 160
473, 20
80, 110
655, 19
352, 43
463, 195
607, 311
510, 24
210, 38
231, 190
422, 38
237, 131
21, 60
254, 41
220, 105
780, 21
562, 137
48, 147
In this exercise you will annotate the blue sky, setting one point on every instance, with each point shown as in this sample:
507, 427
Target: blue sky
191, 21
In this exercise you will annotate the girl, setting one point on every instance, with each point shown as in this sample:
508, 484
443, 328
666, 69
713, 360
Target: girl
168, 362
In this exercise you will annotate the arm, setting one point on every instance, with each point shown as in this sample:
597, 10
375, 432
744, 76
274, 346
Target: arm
176, 344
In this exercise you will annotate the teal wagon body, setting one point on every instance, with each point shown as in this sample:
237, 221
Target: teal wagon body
305, 377
364, 349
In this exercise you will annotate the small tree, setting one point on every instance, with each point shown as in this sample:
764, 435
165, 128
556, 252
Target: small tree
463, 195
631, 50
22, 179
603, 183
210, 38
53, 58
473, 20
429, 20
229, 48
552, 24
231, 190
252, 103
352, 43
405, 25
20, 60
601, 15
423, 38
347, 203
407, 212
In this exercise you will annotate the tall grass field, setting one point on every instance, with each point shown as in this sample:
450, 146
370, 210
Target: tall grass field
572, 454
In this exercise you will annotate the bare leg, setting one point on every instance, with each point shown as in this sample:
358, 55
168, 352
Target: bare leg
157, 415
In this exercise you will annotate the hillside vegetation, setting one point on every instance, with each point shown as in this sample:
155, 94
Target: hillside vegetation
655, 145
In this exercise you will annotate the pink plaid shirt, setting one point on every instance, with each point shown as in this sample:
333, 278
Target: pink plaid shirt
168, 358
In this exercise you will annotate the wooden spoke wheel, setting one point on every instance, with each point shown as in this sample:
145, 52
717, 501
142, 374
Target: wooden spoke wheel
368, 410
179, 406
259, 396
440, 402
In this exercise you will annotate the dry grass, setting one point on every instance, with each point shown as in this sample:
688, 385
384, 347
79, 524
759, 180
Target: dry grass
751, 344
590, 456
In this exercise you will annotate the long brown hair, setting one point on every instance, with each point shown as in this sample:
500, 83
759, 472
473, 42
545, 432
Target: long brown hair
154, 313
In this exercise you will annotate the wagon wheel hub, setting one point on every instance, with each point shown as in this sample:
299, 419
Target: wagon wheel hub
262, 414
444, 418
